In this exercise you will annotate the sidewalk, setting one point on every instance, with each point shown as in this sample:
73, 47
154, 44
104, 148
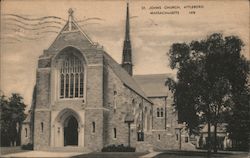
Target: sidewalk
149, 155
43, 154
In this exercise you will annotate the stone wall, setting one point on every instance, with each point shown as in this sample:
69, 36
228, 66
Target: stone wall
169, 119
94, 137
42, 112
43, 88
120, 100
42, 129
163, 132
25, 134
47, 98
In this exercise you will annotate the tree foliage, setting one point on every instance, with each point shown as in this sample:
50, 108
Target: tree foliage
12, 116
212, 75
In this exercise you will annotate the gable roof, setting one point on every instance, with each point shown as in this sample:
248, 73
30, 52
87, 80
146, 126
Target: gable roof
123, 75
71, 33
154, 84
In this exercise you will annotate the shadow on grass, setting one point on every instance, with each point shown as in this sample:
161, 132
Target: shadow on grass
110, 155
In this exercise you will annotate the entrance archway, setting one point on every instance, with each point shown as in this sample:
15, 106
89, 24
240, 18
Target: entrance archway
68, 128
71, 131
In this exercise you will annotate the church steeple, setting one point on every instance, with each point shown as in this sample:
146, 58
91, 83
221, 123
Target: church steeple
127, 51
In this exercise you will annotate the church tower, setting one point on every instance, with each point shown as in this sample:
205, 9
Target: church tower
127, 51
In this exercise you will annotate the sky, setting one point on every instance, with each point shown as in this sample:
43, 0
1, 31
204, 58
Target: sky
29, 26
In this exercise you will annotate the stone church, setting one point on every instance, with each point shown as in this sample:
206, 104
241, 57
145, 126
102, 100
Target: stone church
84, 100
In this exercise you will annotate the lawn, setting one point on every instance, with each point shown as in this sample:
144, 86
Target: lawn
198, 154
164, 154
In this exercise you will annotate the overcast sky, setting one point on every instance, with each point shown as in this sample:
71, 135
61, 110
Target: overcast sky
151, 35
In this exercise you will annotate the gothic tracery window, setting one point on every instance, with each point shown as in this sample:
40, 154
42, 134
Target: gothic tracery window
71, 77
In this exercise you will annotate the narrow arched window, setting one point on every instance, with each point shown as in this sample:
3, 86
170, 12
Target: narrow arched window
72, 85
158, 112
81, 85
42, 127
115, 133
76, 85
62, 86
26, 132
159, 137
67, 86
93, 127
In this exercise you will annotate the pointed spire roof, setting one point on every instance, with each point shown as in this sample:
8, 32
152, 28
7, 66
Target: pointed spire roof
127, 50
127, 33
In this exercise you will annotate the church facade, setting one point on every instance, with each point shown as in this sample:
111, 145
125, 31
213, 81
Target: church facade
84, 100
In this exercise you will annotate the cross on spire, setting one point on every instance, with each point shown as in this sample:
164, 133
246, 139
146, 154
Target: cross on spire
70, 18
70, 11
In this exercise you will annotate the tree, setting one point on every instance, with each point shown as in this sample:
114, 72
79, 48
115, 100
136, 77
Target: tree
4, 122
211, 74
239, 122
12, 116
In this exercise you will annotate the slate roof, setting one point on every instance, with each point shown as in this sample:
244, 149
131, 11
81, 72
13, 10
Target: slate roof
129, 118
221, 128
28, 118
154, 84
124, 76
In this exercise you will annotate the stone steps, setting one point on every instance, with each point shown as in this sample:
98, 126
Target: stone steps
67, 149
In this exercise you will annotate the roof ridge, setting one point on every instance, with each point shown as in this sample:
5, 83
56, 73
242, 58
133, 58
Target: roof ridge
82, 30
68, 28
136, 89
154, 74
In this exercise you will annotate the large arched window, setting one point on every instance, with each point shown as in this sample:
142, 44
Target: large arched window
71, 77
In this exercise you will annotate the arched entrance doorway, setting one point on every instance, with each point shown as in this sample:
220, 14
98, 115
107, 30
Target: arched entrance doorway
68, 128
71, 131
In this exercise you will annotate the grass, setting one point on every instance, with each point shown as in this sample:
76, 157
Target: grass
164, 154
201, 154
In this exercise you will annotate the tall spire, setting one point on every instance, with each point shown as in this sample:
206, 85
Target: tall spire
127, 51
127, 36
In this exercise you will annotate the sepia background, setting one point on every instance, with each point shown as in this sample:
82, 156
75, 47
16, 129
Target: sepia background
103, 21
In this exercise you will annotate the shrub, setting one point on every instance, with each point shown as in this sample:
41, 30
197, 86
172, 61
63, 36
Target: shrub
118, 148
28, 146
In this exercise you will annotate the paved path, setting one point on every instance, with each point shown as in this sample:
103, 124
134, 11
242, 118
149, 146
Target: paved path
149, 155
43, 154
